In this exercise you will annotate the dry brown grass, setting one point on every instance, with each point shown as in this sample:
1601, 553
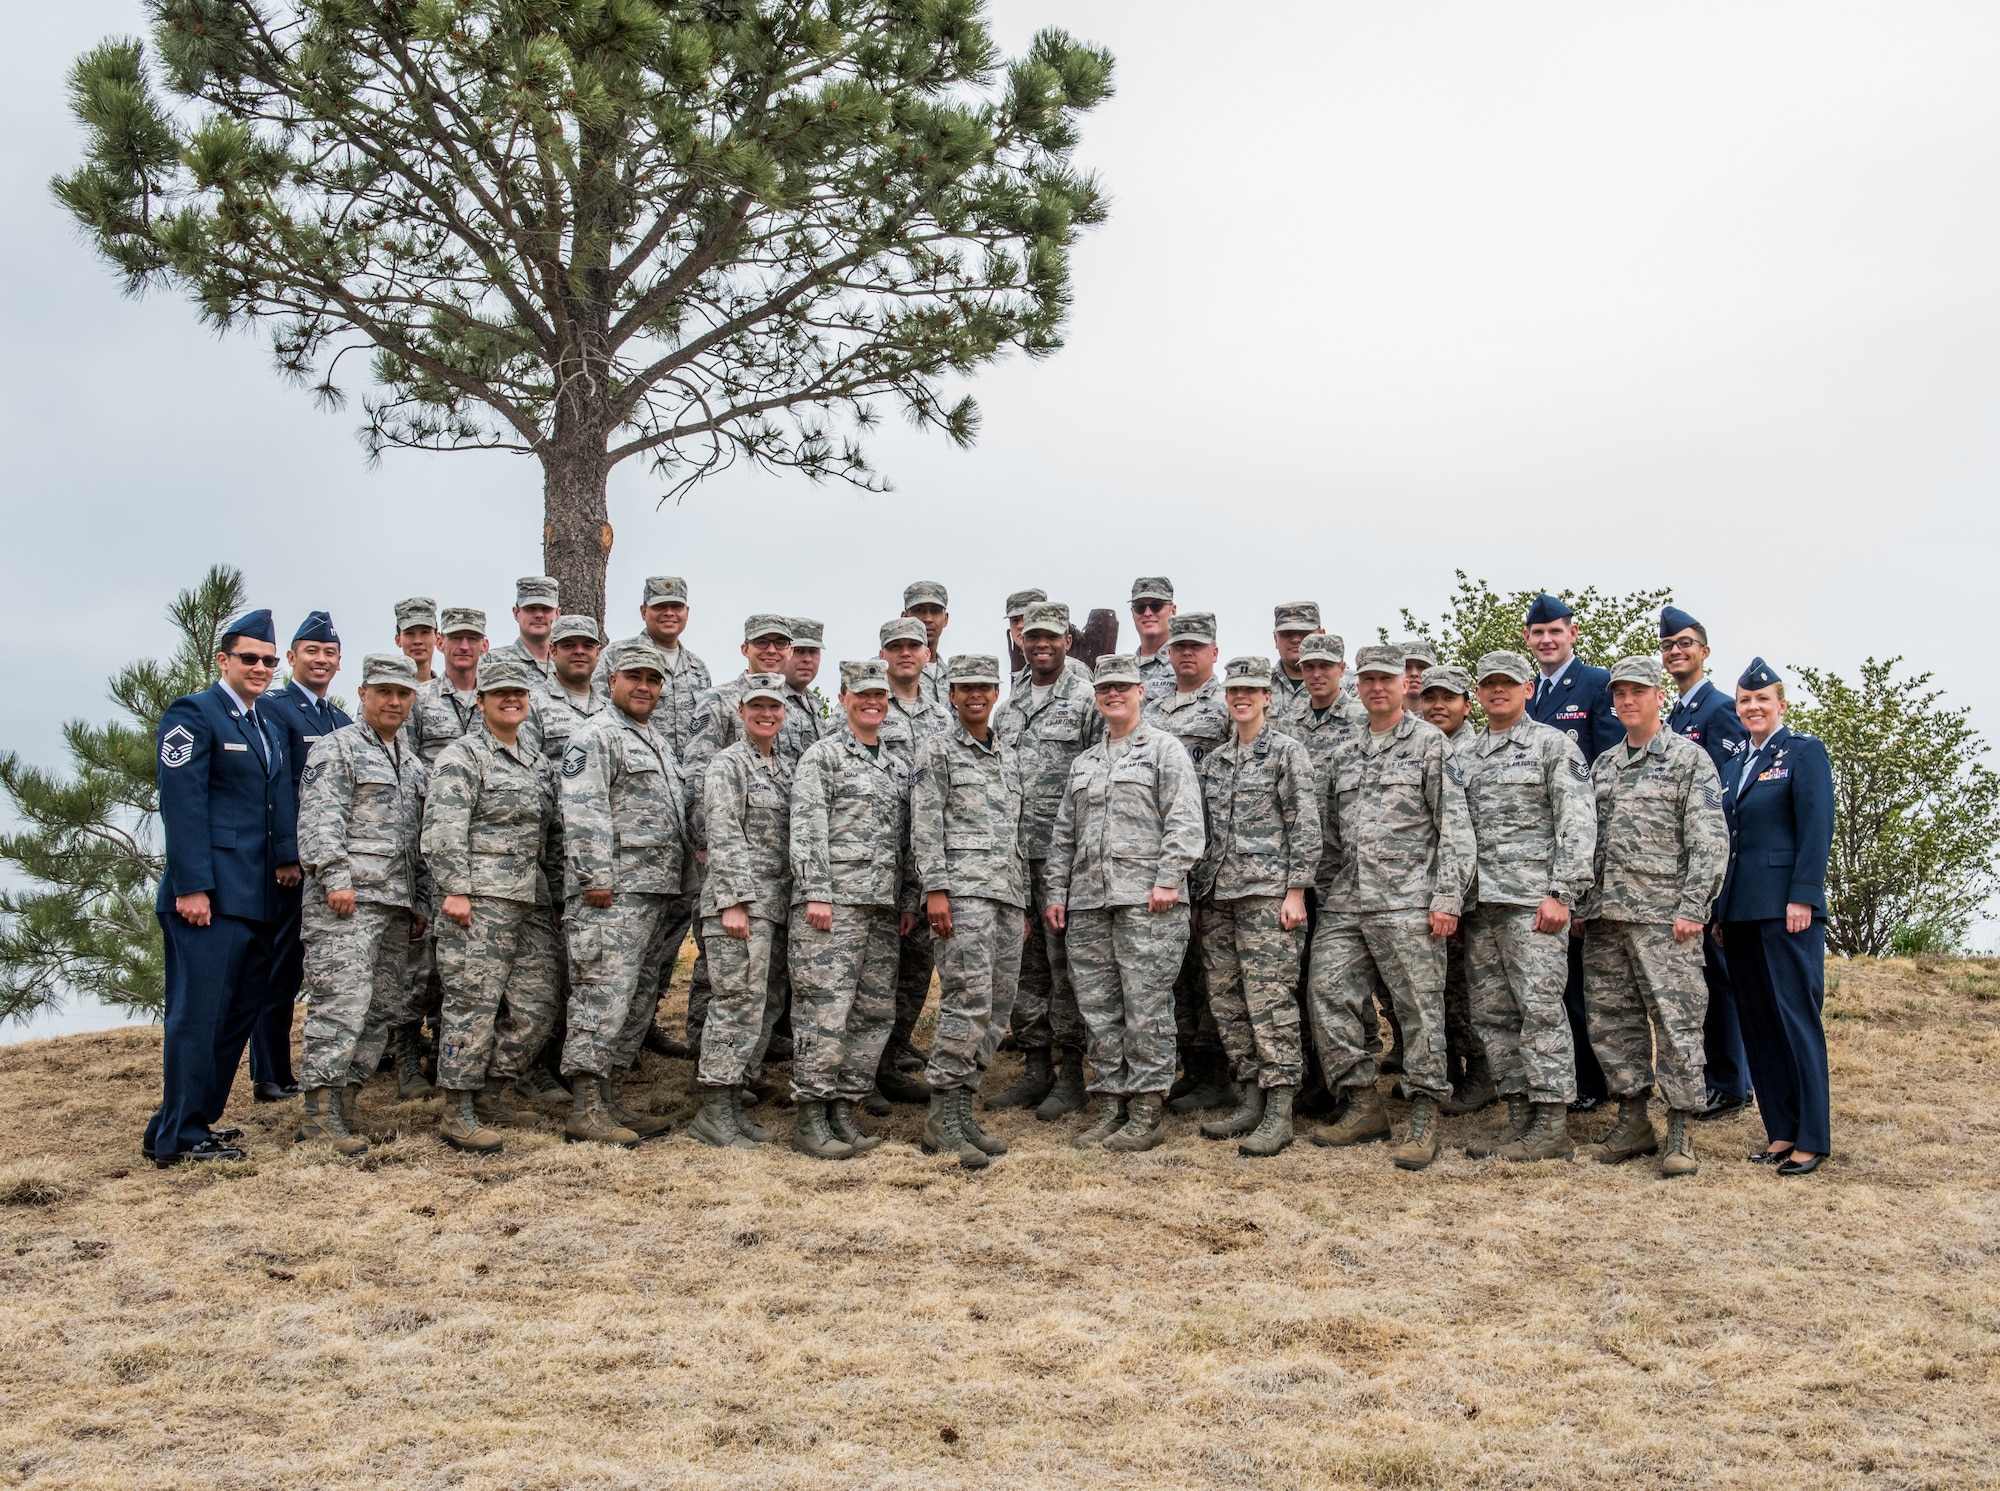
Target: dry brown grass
676, 1316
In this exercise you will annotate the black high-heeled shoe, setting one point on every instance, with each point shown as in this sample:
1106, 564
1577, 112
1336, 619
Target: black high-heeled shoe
1802, 1167
1769, 1157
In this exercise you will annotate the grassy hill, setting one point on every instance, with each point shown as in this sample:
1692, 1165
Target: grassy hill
561, 1316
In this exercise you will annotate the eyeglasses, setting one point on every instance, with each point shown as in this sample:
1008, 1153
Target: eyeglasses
1149, 606
1679, 644
256, 659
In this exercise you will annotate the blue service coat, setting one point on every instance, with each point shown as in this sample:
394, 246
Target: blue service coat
1578, 703
230, 819
1780, 828
1708, 718
306, 720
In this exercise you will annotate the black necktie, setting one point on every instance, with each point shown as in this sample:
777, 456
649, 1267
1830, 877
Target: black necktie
257, 727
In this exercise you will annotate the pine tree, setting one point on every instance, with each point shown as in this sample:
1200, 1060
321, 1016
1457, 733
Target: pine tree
688, 231
90, 848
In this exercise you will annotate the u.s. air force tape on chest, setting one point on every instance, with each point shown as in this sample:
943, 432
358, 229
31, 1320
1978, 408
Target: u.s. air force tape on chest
177, 747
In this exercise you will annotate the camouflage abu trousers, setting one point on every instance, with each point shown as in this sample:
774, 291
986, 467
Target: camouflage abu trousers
354, 987
1194, 1021
747, 993
615, 953
1253, 965
979, 968
1045, 1012
1123, 960
1517, 976
1350, 952
843, 1001
916, 959
1645, 997
499, 978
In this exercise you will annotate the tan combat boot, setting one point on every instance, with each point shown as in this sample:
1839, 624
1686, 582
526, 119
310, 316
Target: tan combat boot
1066, 1094
1633, 1134
1364, 1121
1110, 1119
942, 1134
1519, 1116
461, 1128
590, 1121
496, 1112
1273, 1134
412, 1086
1679, 1157
813, 1136
645, 1125
752, 1130
716, 1122
840, 1118
971, 1126
1142, 1129
538, 1089
350, 1110
1247, 1114
1477, 1092
1545, 1138
1038, 1075
319, 1118
1417, 1151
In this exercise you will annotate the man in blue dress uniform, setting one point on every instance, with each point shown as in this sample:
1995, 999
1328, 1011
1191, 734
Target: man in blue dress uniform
1575, 698
1707, 716
230, 818
299, 709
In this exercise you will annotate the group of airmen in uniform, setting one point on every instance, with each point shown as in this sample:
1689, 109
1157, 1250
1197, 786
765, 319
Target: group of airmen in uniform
1245, 892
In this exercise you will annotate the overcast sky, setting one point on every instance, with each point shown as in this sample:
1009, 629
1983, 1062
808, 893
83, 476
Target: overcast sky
1701, 295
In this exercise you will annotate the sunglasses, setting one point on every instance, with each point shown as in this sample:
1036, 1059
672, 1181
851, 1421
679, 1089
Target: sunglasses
1138, 606
256, 659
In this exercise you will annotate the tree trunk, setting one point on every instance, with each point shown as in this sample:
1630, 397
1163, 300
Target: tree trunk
576, 531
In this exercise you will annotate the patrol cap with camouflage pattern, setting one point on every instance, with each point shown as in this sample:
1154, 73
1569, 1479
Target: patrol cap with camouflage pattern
661, 589
925, 593
1117, 667
635, 656
574, 624
766, 624
1327, 647
1417, 650
1020, 600
1247, 673
459, 619
762, 686
1046, 616
1152, 588
869, 675
1639, 668
1449, 677
418, 610
1380, 659
1504, 664
974, 667
503, 670
806, 632
388, 670
1296, 616
535, 590
904, 629
1192, 626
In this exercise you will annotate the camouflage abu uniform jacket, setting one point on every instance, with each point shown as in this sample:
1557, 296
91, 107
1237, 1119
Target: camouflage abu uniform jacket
1321, 735
1047, 739
1129, 822
1199, 720
915, 720
1662, 842
623, 809
361, 813
686, 683
966, 817
851, 824
560, 714
1158, 673
1533, 818
746, 813
1262, 818
717, 726
491, 827
441, 715
518, 650
1397, 834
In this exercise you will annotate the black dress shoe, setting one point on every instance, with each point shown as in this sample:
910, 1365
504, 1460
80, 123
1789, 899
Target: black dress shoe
1586, 1105
1802, 1167
208, 1149
1720, 1105
661, 1044
225, 1136
1769, 1157
274, 1092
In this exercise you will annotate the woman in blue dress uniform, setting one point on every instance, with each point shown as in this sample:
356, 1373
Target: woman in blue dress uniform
1777, 793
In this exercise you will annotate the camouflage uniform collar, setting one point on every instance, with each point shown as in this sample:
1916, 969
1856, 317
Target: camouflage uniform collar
991, 745
1179, 700
643, 729
1490, 740
851, 743
1066, 686
1235, 750
1658, 746
515, 752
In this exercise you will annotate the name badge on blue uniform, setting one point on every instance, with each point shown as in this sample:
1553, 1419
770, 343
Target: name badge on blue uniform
234, 745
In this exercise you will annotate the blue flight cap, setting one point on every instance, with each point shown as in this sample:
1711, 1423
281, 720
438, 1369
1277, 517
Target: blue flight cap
317, 627
255, 625
1547, 608
1759, 675
1674, 621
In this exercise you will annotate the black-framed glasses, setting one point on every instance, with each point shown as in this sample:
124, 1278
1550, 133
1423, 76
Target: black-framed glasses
1138, 606
256, 659
1679, 644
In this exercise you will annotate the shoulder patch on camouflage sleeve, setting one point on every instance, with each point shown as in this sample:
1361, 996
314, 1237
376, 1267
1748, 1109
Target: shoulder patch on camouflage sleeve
1578, 770
1452, 770
573, 760
1711, 795
312, 773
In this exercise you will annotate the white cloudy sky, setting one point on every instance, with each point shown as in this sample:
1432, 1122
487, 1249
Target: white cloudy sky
1700, 295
